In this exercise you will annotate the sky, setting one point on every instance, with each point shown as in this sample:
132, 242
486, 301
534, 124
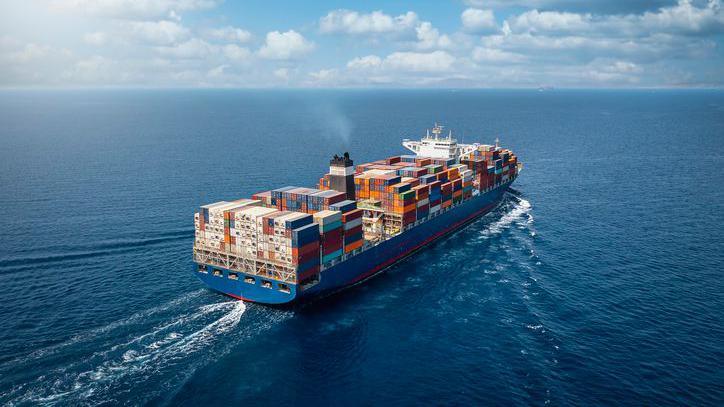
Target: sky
369, 44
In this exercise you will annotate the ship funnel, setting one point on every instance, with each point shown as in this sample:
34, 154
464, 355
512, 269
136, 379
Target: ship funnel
341, 175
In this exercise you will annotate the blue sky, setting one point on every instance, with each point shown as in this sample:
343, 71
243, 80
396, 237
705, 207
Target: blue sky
372, 44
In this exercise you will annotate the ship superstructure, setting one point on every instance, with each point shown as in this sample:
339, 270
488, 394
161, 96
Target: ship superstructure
294, 243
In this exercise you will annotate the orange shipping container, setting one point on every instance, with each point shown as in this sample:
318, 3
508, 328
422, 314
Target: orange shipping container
353, 246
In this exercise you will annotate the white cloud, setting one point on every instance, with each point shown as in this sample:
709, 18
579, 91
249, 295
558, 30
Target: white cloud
353, 22
683, 18
162, 32
95, 38
235, 52
192, 49
282, 73
429, 37
324, 74
397, 62
217, 71
549, 21
232, 34
132, 9
478, 21
370, 61
287, 45
686, 17
602, 70
482, 54
437, 61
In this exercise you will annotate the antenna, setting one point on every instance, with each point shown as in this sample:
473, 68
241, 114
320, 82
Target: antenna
497, 141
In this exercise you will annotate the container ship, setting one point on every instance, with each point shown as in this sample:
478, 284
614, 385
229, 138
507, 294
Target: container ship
292, 244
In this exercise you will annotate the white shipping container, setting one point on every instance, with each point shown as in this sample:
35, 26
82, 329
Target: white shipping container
423, 202
327, 216
434, 208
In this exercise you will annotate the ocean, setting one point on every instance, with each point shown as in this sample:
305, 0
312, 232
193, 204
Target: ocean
598, 280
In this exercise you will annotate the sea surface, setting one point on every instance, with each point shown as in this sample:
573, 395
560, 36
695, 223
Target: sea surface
598, 281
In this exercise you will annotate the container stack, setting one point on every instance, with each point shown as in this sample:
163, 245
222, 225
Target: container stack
422, 197
344, 206
305, 250
213, 225
467, 177
457, 187
321, 200
353, 236
265, 198
412, 172
331, 234
447, 194
435, 196
245, 233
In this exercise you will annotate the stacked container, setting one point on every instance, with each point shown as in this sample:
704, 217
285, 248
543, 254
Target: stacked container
447, 193
435, 196
331, 234
412, 172
305, 250
422, 198
321, 200
265, 198
353, 235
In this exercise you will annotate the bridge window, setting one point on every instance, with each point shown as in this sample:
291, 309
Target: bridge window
249, 280
284, 288
233, 276
218, 273
266, 284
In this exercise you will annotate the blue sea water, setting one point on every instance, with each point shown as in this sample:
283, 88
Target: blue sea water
597, 281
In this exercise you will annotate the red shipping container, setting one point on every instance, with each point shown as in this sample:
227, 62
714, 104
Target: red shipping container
352, 215
331, 248
355, 230
332, 236
304, 250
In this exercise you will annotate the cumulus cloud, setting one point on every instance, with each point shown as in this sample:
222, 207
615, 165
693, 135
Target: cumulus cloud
367, 62
162, 32
478, 21
437, 61
286, 45
430, 38
487, 43
353, 22
235, 52
549, 21
684, 18
482, 54
232, 34
192, 49
132, 9
593, 6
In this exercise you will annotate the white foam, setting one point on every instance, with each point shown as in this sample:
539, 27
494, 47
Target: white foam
520, 209
96, 332
110, 365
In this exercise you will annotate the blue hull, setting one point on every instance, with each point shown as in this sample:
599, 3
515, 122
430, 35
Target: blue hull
360, 267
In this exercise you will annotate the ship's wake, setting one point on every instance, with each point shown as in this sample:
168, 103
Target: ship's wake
109, 362
515, 210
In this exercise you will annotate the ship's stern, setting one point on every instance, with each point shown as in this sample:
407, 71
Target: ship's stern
245, 286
